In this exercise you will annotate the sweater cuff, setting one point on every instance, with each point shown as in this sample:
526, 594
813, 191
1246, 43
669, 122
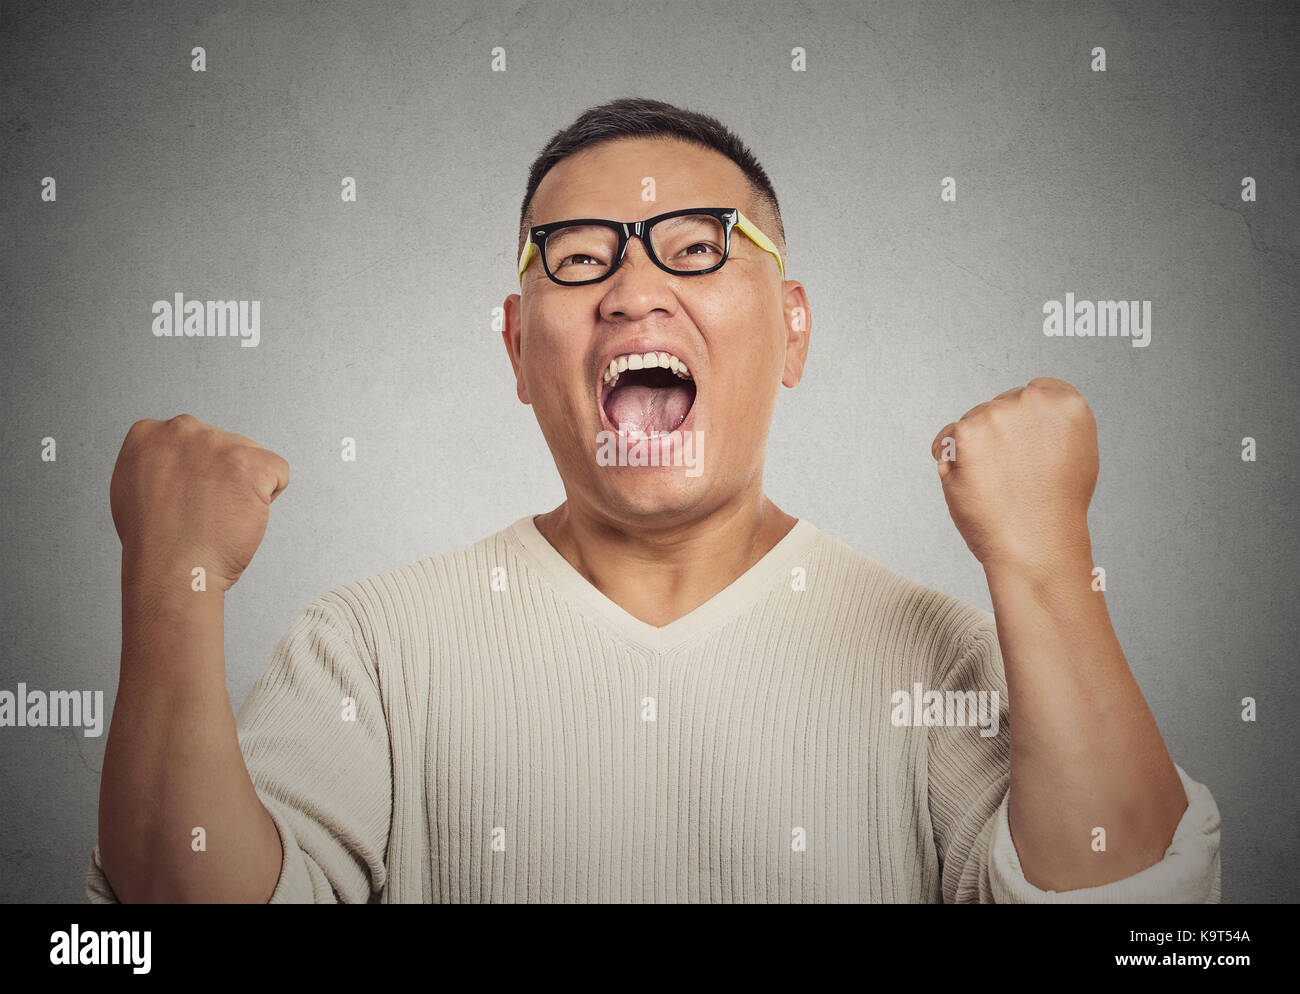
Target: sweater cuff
1188, 873
98, 889
295, 884
293, 887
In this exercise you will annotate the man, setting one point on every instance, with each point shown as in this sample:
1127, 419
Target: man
667, 688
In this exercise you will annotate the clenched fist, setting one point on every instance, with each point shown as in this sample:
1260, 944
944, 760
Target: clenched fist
1018, 472
187, 494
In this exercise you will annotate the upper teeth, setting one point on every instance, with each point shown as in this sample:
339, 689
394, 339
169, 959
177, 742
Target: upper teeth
645, 360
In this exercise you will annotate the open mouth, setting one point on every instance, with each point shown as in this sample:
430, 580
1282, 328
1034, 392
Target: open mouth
647, 395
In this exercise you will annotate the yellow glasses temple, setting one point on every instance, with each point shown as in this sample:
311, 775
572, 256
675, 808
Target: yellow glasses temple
759, 239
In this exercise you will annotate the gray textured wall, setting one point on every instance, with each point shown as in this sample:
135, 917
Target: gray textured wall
376, 315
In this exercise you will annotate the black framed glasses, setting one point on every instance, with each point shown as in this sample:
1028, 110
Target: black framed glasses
690, 242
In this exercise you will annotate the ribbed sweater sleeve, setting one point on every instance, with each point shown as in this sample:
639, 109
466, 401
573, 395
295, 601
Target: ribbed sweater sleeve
969, 778
314, 736
314, 739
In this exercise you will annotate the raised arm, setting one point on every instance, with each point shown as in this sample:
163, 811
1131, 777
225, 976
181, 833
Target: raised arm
1094, 796
179, 819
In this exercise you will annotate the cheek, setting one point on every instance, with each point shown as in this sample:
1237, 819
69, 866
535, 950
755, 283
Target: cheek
747, 346
538, 344
551, 361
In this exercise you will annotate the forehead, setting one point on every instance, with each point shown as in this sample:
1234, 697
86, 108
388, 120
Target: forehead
608, 180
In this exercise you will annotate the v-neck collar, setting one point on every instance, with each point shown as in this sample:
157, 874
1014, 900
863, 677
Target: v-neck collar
577, 588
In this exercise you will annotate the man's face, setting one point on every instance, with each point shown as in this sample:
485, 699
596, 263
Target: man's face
740, 331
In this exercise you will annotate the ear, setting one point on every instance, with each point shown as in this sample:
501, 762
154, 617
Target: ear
798, 328
512, 335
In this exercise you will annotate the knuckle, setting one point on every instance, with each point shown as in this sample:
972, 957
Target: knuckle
997, 409
1052, 385
1073, 396
239, 460
141, 429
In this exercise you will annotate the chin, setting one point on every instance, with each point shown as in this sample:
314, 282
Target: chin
649, 495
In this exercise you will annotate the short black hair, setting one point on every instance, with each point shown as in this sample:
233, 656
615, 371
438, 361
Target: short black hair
638, 117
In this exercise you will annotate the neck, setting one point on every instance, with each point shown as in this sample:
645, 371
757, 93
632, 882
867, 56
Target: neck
658, 576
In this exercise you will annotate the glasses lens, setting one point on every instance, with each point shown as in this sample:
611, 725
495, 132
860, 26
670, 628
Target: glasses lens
581, 252
689, 243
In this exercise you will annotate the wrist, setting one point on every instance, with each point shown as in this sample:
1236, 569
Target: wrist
156, 586
1059, 556
1064, 565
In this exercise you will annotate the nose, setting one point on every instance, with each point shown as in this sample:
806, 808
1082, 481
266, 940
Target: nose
636, 244
637, 287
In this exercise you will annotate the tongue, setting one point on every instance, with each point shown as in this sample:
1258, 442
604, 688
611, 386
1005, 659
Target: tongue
641, 410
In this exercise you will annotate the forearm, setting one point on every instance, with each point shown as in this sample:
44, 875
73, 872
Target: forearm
1086, 752
172, 763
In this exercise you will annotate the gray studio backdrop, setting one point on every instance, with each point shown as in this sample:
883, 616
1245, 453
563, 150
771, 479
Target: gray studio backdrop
376, 315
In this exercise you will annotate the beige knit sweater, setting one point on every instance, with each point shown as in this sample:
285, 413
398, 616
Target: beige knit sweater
485, 725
